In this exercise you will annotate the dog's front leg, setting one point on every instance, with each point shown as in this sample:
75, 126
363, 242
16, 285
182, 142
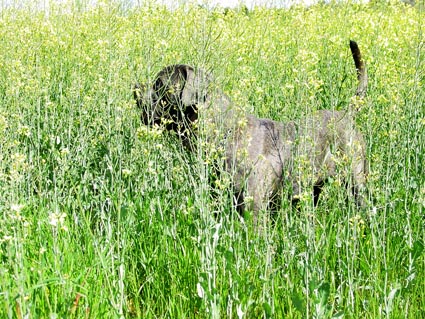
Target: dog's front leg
260, 188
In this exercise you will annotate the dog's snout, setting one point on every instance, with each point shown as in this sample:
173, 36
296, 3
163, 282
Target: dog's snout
147, 103
138, 93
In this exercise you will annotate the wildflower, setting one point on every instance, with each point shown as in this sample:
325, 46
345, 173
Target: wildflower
57, 219
64, 151
18, 160
249, 199
16, 208
382, 99
356, 220
118, 121
242, 123
358, 225
3, 123
126, 172
5, 238
24, 131
222, 183
15, 212
153, 131
315, 85
289, 86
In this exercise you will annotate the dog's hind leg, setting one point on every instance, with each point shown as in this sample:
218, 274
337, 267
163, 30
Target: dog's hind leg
359, 170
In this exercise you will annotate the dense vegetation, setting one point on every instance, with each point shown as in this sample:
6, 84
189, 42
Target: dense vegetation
104, 218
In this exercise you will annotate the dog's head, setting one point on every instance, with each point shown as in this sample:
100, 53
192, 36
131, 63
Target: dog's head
173, 98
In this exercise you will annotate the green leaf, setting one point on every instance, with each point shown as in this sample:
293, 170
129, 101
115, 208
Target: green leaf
298, 302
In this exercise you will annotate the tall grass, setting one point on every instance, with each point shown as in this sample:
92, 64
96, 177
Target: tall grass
104, 218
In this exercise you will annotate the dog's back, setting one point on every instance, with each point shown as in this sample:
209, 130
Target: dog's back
302, 154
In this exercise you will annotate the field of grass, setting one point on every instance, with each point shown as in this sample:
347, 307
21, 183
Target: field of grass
103, 218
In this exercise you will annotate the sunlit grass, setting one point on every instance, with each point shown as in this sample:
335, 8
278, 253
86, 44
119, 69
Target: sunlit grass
104, 218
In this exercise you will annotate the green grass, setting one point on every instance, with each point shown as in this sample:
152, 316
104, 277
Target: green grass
102, 218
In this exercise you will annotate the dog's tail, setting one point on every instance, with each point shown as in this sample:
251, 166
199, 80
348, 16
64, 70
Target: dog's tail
361, 70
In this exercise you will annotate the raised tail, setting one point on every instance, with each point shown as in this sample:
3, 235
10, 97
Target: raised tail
361, 70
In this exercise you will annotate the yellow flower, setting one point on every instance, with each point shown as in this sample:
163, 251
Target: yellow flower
358, 225
24, 131
145, 131
3, 123
18, 159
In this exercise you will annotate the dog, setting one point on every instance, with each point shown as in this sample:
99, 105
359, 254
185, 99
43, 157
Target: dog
261, 156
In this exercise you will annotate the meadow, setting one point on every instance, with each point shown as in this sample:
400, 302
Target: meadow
105, 218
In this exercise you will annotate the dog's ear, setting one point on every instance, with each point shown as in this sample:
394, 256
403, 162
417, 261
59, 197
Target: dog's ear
195, 86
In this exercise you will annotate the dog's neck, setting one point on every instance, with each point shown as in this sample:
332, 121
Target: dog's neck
216, 121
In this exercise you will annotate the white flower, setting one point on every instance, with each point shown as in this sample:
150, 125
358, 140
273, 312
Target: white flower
126, 172
64, 151
16, 208
15, 212
57, 219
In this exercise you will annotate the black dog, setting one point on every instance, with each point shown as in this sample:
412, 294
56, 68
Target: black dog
261, 155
